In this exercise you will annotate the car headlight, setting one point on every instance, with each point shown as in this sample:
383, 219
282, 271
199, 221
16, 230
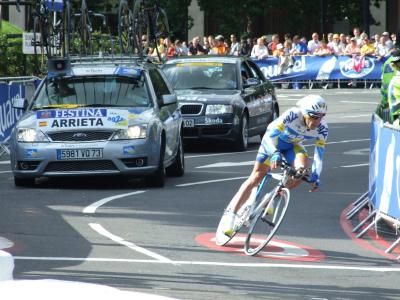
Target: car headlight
132, 132
217, 109
30, 135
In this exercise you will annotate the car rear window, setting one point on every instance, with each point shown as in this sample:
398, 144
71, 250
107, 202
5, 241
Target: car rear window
202, 75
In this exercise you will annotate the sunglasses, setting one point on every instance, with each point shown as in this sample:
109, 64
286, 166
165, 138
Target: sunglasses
316, 116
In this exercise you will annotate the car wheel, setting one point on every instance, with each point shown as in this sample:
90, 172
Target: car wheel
242, 141
178, 166
157, 179
24, 181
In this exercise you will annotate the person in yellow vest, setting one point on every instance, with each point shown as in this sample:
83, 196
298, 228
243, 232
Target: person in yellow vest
394, 91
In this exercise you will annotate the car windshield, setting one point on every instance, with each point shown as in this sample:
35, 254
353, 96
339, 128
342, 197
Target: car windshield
202, 75
99, 91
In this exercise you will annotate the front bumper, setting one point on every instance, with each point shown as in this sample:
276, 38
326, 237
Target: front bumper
213, 127
128, 157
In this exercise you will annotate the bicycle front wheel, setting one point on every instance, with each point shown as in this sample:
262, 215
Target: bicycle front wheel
266, 222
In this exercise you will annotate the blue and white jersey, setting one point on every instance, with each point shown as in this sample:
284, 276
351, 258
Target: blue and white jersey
290, 128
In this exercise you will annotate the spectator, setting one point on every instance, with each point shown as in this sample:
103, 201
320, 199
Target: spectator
207, 46
352, 48
388, 41
259, 51
298, 47
367, 48
170, 48
285, 60
279, 50
382, 50
336, 46
357, 35
245, 48
313, 43
195, 48
323, 49
342, 41
185, 48
330, 38
219, 47
179, 51
160, 50
235, 46
393, 37
274, 42
377, 37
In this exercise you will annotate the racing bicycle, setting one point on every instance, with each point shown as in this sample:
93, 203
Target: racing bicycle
263, 213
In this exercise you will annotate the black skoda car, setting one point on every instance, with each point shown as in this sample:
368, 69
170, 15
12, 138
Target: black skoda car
222, 98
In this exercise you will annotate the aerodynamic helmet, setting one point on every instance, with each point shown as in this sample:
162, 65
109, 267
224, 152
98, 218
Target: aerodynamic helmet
313, 105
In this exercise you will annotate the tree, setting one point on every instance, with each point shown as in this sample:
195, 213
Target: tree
295, 16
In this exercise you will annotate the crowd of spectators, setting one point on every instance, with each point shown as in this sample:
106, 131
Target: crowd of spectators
358, 43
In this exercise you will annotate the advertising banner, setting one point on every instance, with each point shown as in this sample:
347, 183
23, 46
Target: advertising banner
314, 68
8, 115
384, 172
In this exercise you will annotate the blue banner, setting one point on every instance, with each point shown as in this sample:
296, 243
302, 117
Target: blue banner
8, 115
308, 67
384, 172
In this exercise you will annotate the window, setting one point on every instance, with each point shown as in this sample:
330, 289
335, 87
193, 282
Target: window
256, 72
160, 87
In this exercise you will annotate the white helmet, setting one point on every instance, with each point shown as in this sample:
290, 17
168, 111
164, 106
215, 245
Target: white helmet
312, 105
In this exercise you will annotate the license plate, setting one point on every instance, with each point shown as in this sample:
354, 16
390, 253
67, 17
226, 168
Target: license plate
188, 122
65, 154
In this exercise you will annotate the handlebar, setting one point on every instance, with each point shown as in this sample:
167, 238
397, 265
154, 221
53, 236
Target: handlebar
304, 175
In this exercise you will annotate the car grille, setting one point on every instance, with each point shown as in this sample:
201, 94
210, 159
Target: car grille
71, 136
191, 109
81, 166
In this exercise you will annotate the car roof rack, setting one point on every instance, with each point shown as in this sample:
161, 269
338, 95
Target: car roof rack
114, 60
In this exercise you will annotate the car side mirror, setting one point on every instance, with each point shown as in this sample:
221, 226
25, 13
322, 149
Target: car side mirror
251, 82
20, 103
169, 99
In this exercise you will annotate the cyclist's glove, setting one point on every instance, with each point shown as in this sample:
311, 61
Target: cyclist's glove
276, 157
315, 179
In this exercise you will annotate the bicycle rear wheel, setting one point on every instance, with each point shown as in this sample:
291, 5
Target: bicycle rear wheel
140, 28
266, 222
125, 27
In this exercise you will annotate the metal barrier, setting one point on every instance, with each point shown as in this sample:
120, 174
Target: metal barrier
11, 88
384, 179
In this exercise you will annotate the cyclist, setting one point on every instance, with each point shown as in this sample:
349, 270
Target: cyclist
283, 138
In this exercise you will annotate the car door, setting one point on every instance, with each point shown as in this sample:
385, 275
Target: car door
168, 114
264, 100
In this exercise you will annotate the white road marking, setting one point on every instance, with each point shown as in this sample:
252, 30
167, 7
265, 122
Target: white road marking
5, 162
216, 264
354, 166
91, 209
252, 151
362, 151
101, 230
219, 154
210, 181
356, 116
228, 164
5, 171
365, 102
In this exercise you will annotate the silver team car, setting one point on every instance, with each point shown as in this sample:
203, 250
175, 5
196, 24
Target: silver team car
99, 118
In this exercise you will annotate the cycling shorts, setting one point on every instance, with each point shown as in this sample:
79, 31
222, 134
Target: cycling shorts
288, 150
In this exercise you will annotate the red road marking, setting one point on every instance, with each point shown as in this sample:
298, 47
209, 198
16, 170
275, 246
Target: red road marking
348, 228
278, 249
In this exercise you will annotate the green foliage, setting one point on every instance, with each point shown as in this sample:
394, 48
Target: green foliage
12, 61
237, 16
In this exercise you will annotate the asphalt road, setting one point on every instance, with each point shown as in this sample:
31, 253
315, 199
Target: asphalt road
159, 241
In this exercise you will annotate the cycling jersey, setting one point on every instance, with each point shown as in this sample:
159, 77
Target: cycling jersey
286, 134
